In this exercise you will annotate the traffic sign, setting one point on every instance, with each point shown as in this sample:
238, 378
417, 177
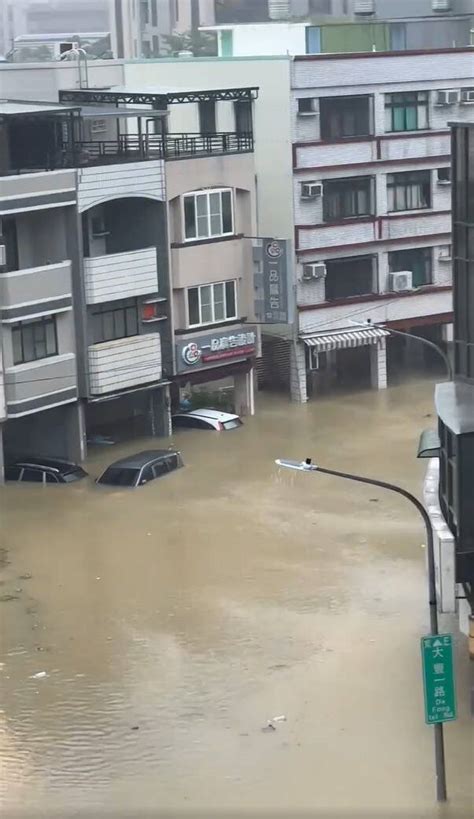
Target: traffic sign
438, 678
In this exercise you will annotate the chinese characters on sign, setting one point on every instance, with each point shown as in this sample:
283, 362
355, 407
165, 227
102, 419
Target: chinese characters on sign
271, 303
216, 347
438, 678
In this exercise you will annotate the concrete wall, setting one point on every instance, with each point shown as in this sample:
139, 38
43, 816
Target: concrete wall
36, 284
42, 81
271, 121
126, 362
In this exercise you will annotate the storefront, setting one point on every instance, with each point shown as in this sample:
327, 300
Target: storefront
207, 358
343, 358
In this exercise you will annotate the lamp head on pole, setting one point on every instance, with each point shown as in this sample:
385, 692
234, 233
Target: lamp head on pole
301, 466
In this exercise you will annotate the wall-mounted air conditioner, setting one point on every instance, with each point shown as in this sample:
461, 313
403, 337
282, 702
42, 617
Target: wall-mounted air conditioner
443, 176
98, 126
315, 270
448, 96
311, 190
364, 7
403, 280
467, 95
445, 253
3, 255
442, 5
307, 107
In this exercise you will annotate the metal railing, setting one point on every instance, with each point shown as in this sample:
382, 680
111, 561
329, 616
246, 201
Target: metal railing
135, 148
129, 147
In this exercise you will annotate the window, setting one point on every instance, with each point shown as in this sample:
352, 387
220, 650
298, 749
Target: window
50, 478
444, 176
398, 36
119, 320
208, 214
349, 277
207, 117
155, 45
243, 116
344, 117
409, 191
211, 303
407, 111
33, 340
31, 474
154, 13
419, 260
313, 40
347, 198
306, 105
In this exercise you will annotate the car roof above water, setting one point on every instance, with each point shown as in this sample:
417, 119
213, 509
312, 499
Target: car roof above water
212, 414
141, 459
57, 464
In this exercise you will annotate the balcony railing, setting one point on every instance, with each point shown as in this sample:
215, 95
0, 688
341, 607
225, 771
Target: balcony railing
134, 148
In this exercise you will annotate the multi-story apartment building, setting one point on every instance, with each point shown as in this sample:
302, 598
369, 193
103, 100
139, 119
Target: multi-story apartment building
372, 199
335, 27
363, 193
89, 204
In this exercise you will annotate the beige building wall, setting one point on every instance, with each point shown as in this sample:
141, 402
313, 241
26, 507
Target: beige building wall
271, 120
212, 261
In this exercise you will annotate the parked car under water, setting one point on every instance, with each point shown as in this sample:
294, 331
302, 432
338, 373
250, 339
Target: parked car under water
141, 468
206, 419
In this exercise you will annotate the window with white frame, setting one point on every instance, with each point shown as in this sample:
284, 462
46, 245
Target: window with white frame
208, 214
211, 303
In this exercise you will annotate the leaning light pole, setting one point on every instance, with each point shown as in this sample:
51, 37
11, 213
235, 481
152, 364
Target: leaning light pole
308, 466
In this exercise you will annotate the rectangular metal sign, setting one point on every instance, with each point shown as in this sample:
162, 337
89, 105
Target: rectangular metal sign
438, 678
271, 281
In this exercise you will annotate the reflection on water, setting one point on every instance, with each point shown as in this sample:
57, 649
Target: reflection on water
173, 621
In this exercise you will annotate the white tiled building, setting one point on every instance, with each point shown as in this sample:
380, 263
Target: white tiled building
372, 199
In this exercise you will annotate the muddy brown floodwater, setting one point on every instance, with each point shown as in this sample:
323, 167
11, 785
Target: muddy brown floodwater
173, 621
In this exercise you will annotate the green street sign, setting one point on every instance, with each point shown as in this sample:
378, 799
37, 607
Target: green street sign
438, 678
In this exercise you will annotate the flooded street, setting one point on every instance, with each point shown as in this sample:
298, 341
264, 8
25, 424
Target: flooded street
173, 621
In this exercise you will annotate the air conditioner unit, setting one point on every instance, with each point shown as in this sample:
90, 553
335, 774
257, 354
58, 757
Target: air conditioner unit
445, 254
307, 107
441, 5
316, 270
364, 7
403, 280
98, 126
311, 190
3, 255
467, 95
448, 96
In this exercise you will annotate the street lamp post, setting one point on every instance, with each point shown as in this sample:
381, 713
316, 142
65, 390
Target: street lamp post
421, 339
308, 466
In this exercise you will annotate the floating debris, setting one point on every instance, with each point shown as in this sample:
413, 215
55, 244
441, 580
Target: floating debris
40, 675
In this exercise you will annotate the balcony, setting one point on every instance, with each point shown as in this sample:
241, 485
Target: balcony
40, 384
33, 287
132, 148
120, 275
126, 362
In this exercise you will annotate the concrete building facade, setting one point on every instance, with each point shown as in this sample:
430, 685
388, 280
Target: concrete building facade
92, 219
351, 137
372, 204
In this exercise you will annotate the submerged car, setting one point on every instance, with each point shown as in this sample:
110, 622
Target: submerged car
135, 470
206, 419
44, 470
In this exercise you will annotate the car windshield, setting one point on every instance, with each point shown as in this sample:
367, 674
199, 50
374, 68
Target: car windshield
232, 424
119, 477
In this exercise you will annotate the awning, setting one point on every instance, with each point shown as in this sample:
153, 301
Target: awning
350, 338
